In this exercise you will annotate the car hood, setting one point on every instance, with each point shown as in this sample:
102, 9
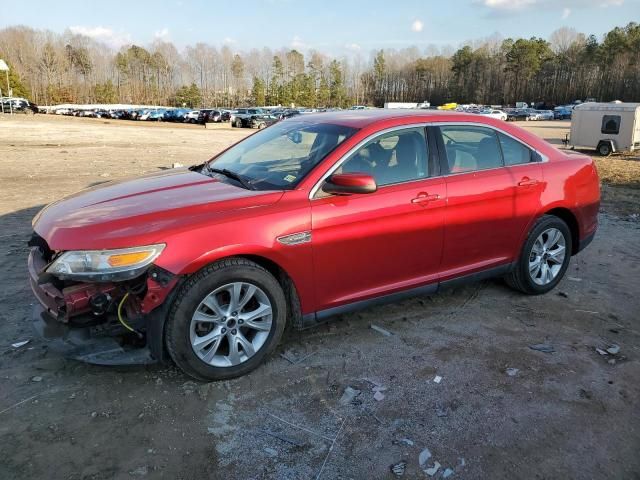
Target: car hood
143, 211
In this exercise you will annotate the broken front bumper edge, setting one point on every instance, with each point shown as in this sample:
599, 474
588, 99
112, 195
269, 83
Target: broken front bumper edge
77, 343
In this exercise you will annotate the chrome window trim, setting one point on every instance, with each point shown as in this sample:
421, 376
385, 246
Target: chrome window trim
352, 150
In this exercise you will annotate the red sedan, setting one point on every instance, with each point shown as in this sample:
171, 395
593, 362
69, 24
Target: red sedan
314, 216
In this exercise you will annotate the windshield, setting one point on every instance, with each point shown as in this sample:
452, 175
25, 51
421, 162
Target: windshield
280, 156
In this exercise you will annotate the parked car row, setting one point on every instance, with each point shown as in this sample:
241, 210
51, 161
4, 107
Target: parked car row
181, 115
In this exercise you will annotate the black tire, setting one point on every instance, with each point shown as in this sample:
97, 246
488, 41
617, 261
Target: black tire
604, 149
520, 278
195, 290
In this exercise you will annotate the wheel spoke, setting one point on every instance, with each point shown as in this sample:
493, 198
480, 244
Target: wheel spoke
557, 256
203, 341
548, 274
234, 353
247, 346
534, 269
262, 311
212, 302
552, 238
213, 349
201, 317
262, 325
538, 247
235, 290
248, 295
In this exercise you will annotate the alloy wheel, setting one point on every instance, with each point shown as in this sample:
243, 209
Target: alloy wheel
231, 324
547, 256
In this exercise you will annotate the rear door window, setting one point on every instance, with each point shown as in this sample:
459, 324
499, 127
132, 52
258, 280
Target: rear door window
514, 152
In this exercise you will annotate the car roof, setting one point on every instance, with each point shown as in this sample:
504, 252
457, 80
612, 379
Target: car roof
364, 118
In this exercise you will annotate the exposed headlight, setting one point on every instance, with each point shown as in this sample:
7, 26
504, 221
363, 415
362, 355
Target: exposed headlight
105, 265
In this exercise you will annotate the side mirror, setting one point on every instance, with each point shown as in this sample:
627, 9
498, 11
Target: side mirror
349, 183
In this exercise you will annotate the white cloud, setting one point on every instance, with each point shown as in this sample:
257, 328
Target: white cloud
229, 40
565, 13
161, 34
517, 5
102, 34
417, 26
507, 4
297, 43
354, 47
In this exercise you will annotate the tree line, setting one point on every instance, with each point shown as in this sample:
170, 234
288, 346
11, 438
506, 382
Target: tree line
52, 68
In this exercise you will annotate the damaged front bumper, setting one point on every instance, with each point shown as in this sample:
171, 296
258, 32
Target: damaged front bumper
80, 319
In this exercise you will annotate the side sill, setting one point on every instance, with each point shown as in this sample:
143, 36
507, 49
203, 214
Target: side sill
477, 276
322, 316
311, 319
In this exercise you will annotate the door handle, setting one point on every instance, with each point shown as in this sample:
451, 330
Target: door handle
527, 182
424, 197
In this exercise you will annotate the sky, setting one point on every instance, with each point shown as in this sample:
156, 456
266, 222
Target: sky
334, 27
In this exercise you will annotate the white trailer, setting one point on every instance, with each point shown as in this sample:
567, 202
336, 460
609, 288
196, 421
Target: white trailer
400, 105
607, 127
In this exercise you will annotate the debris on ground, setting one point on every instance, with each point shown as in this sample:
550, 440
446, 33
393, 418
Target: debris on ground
20, 344
563, 294
574, 279
424, 457
381, 330
512, 372
592, 312
140, 471
37, 378
600, 351
290, 357
437, 379
379, 396
433, 470
442, 411
613, 349
349, 395
189, 387
272, 452
447, 473
284, 438
398, 469
406, 441
542, 347
379, 388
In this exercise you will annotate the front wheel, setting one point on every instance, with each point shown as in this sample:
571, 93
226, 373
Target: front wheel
544, 258
225, 320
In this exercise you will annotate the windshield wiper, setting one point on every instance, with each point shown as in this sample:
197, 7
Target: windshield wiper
233, 175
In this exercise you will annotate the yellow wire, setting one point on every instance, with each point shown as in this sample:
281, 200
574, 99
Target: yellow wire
124, 324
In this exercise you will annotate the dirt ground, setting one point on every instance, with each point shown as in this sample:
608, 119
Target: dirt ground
501, 409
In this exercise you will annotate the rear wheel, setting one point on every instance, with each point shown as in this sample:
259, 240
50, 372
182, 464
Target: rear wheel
544, 258
226, 320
